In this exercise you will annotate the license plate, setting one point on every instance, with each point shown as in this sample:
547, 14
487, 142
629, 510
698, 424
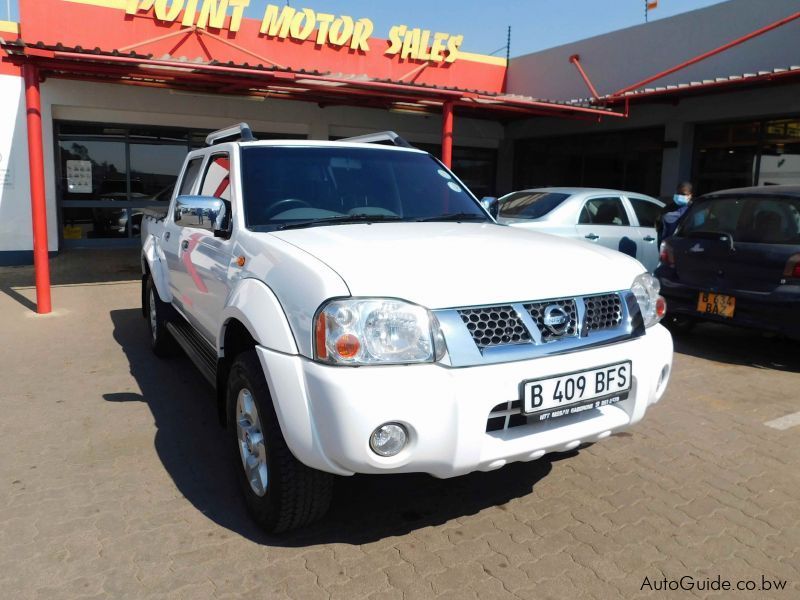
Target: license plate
576, 392
716, 304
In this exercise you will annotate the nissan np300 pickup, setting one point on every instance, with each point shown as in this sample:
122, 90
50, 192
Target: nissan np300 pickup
359, 311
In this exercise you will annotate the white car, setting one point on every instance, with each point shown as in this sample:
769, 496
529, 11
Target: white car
358, 311
622, 221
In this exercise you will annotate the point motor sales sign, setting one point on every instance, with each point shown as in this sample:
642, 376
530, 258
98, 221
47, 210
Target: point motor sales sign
292, 38
287, 22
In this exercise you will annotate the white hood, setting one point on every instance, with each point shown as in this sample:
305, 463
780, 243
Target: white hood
445, 265
532, 223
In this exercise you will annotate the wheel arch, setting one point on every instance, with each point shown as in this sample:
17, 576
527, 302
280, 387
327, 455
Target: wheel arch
154, 265
252, 317
235, 339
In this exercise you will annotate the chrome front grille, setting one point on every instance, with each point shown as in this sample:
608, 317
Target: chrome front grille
537, 311
482, 335
519, 330
494, 326
602, 312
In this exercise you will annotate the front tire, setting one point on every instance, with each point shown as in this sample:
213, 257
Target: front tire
281, 492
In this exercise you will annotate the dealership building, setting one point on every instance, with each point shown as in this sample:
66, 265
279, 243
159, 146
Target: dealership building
100, 100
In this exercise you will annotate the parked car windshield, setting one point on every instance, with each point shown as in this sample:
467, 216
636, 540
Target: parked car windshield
750, 219
301, 186
530, 205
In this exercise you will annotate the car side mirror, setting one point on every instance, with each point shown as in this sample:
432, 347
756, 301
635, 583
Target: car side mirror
491, 204
204, 212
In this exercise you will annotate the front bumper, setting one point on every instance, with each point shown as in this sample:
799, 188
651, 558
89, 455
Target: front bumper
328, 413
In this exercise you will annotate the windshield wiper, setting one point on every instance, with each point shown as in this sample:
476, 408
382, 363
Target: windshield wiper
461, 216
342, 219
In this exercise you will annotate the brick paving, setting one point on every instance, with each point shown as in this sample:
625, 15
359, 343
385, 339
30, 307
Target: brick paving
115, 482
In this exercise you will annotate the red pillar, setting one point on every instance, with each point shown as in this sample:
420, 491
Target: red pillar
33, 101
447, 134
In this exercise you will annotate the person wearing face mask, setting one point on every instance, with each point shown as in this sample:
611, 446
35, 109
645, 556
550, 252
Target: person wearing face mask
673, 213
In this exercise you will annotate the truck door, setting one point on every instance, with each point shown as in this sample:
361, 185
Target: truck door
170, 241
206, 259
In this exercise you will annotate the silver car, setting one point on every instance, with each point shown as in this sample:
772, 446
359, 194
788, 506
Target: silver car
623, 221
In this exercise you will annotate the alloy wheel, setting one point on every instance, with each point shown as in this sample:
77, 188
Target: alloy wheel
251, 442
153, 315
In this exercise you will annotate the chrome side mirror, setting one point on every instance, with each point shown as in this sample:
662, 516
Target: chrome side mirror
491, 205
204, 212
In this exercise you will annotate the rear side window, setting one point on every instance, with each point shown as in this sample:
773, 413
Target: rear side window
217, 180
190, 176
749, 219
604, 211
646, 212
530, 205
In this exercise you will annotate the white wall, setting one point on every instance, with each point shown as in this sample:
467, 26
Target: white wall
15, 205
621, 58
109, 103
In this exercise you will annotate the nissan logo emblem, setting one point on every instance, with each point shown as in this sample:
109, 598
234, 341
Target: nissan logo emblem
556, 319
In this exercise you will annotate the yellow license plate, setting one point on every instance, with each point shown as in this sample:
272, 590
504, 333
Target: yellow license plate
716, 304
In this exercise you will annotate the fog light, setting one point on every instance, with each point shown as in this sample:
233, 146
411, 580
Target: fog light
388, 439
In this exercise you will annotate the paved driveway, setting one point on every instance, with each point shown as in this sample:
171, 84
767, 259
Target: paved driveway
115, 482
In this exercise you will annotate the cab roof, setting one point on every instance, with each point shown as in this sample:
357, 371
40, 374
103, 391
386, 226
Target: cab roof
324, 144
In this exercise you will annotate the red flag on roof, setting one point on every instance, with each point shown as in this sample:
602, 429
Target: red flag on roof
652, 4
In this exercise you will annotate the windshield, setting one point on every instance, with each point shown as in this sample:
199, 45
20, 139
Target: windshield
530, 205
306, 186
749, 219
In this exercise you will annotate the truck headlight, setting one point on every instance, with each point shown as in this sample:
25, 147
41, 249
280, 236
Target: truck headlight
369, 331
646, 288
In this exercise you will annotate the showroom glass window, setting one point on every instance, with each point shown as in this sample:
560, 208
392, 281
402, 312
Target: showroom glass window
627, 160
741, 154
156, 158
476, 167
109, 174
780, 153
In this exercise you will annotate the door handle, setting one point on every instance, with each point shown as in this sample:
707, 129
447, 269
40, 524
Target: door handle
185, 244
592, 237
166, 235
649, 238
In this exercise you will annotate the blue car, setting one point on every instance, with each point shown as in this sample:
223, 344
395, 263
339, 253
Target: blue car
735, 258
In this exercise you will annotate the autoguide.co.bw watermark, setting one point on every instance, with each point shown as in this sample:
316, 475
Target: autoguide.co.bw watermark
689, 583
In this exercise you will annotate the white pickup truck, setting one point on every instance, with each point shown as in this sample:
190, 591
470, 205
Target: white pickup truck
358, 310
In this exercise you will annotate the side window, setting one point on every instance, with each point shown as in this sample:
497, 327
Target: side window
646, 212
189, 178
217, 179
604, 211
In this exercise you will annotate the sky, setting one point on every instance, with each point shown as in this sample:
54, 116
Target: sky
536, 24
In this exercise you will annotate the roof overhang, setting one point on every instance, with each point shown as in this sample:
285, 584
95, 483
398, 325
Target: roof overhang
135, 42
272, 81
777, 76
